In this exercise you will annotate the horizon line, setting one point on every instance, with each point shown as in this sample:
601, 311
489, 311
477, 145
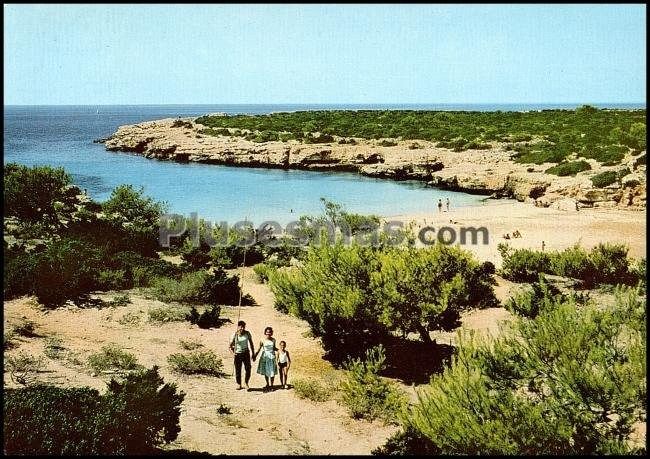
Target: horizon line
330, 103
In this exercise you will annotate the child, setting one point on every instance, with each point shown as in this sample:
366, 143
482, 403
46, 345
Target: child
284, 362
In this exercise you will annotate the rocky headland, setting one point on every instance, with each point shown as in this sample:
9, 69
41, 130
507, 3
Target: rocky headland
483, 171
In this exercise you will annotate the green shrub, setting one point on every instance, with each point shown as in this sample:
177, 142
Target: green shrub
604, 179
130, 318
199, 362
208, 318
368, 396
568, 168
120, 301
30, 192
65, 270
133, 417
549, 385
262, 270
522, 265
112, 357
167, 314
126, 204
387, 143
311, 389
112, 279
529, 303
189, 289
606, 263
354, 296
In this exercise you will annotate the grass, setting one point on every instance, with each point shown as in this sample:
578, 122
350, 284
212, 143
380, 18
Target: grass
131, 318
203, 363
312, 389
166, 314
120, 300
112, 357
54, 348
190, 345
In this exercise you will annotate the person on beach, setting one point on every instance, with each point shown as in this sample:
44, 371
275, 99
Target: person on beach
447, 204
439, 205
266, 365
284, 363
239, 345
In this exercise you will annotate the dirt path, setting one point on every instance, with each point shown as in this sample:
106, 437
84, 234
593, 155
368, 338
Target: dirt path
278, 422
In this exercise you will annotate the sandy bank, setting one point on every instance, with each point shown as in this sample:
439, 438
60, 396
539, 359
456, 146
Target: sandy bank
558, 229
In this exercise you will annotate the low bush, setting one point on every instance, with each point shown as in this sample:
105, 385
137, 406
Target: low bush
604, 179
189, 344
30, 193
199, 362
522, 265
112, 357
120, 301
368, 396
606, 263
208, 318
8, 336
529, 303
551, 385
387, 143
110, 279
189, 289
133, 417
568, 168
311, 389
262, 271
167, 314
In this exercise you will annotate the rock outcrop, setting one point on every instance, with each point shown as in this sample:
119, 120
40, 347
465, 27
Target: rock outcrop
489, 171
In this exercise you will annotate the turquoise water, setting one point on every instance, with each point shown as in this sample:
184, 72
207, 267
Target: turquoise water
63, 136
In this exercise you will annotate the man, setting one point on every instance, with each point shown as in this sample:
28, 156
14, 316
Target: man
240, 344
447, 204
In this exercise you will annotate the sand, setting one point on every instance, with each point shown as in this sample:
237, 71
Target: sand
558, 229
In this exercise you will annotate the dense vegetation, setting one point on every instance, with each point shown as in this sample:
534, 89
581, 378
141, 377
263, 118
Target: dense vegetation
571, 380
356, 296
534, 136
67, 246
134, 416
603, 264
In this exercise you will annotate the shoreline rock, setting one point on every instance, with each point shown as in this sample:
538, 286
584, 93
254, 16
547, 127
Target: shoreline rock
489, 172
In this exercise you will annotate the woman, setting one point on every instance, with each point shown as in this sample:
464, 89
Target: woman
267, 365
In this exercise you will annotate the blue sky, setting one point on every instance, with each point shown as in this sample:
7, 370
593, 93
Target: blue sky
191, 54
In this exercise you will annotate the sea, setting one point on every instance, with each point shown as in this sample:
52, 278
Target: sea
62, 136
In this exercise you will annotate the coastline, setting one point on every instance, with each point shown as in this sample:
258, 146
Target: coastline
488, 171
558, 229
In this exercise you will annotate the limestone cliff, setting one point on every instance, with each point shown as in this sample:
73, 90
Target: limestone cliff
490, 171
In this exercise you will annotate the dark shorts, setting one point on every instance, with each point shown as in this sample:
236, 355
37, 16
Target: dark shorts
282, 365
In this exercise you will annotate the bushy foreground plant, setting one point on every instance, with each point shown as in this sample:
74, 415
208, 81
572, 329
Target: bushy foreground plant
606, 263
197, 362
199, 287
312, 390
570, 381
366, 394
354, 296
133, 417
112, 357
30, 193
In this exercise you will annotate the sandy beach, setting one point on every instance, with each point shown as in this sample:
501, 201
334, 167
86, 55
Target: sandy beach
557, 228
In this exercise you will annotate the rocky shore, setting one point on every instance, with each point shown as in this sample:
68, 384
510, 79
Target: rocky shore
488, 171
